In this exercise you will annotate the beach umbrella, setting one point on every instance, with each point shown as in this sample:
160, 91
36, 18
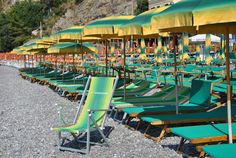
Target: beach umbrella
201, 38
208, 57
158, 51
222, 52
140, 25
106, 28
46, 40
185, 42
73, 34
198, 51
70, 48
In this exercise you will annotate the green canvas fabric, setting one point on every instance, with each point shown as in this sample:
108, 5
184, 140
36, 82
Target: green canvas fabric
203, 131
217, 114
167, 88
220, 150
99, 95
200, 92
161, 97
159, 108
144, 87
198, 89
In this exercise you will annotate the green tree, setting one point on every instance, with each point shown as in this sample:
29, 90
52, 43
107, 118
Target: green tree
142, 6
17, 24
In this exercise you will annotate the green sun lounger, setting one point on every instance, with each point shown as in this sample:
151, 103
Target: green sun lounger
221, 150
93, 113
200, 100
165, 121
211, 133
164, 97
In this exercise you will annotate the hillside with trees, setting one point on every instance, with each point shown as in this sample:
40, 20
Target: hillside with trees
19, 18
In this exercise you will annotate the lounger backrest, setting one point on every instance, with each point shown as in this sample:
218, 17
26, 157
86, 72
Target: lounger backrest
200, 92
99, 97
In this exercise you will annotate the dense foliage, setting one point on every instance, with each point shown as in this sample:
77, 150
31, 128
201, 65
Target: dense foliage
18, 22
142, 6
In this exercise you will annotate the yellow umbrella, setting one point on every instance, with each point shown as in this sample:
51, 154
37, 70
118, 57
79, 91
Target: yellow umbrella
106, 28
141, 24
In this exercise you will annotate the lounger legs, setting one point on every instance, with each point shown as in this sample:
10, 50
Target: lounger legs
179, 148
157, 139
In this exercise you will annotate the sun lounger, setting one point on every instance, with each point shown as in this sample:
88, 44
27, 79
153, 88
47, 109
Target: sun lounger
221, 150
210, 133
165, 121
200, 100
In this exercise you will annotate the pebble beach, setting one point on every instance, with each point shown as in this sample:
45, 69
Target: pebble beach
28, 111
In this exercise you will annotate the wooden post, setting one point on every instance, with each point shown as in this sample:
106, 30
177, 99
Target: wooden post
175, 45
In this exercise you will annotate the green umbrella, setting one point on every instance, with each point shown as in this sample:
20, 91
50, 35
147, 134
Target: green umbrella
141, 24
105, 28
69, 48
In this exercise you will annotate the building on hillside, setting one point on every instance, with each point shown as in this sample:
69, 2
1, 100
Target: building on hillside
158, 3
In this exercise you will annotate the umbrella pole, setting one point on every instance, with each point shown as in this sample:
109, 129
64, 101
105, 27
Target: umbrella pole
228, 88
25, 61
175, 72
124, 70
73, 61
106, 58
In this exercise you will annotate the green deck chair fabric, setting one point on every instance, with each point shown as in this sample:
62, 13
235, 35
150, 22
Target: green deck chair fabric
200, 98
99, 96
219, 114
204, 131
221, 150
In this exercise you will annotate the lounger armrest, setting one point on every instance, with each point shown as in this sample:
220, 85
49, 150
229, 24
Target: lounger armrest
96, 110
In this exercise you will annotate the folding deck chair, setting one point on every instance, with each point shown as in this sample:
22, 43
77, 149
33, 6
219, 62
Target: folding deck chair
200, 135
93, 113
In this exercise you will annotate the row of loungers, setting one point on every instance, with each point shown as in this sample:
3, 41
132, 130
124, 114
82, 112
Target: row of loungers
159, 110
203, 107
72, 84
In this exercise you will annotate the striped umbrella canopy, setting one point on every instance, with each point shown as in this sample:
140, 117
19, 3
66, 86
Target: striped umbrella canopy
141, 24
50, 40
73, 34
222, 52
185, 42
208, 57
177, 18
106, 28
158, 51
142, 50
198, 51
69, 48
205, 16
183, 47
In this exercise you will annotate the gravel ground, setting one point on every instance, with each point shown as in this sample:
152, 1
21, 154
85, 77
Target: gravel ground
27, 111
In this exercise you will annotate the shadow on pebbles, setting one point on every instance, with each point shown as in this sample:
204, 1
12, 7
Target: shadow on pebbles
28, 111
